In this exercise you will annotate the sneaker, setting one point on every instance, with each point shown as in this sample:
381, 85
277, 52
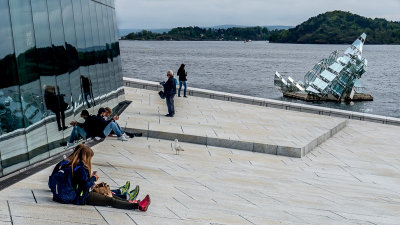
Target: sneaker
124, 189
89, 139
185, 96
97, 138
144, 204
134, 193
122, 138
69, 145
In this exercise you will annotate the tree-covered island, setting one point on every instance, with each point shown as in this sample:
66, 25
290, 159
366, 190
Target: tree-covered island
336, 27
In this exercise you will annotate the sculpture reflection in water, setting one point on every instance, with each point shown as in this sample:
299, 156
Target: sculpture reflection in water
55, 102
332, 79
86, 89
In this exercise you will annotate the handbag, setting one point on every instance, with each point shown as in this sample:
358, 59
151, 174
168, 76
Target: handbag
161, 94
103, 188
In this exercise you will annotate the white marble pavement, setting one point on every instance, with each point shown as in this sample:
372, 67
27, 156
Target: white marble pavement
229, 124
351, 178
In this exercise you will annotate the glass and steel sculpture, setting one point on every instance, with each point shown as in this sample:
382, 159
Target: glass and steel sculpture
334, 78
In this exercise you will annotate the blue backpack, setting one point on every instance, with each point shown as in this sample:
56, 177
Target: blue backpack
60, 183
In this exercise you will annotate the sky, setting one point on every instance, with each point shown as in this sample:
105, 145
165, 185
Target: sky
151, 14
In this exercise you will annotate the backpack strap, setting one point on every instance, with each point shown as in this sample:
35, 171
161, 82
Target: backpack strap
76, 168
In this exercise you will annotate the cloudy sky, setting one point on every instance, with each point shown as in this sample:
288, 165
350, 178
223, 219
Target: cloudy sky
173, 13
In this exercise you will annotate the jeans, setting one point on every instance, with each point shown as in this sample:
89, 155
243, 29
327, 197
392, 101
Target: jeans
120, 129
75, 134
97, 199
180, 88
170, 104
112, 126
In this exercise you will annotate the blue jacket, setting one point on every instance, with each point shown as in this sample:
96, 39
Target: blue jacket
82, 181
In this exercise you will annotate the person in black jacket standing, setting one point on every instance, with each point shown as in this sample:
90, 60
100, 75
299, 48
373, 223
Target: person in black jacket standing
170, 91
182, 74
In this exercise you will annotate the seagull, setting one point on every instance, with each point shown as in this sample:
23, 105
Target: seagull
177, 147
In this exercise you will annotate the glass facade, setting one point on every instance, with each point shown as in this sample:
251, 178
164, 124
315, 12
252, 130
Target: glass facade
57, 57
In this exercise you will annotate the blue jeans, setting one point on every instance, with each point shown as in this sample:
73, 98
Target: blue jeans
75, 134
170, 104
112, 126
180, 88
120, 129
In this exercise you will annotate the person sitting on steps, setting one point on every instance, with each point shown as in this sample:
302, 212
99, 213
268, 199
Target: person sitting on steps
84, 179
121, 192
107, 116
102, 128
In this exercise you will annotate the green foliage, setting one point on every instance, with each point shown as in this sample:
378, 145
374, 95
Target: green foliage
203, 34
338, 27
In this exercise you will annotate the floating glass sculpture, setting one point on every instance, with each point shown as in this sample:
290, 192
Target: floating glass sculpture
332, 79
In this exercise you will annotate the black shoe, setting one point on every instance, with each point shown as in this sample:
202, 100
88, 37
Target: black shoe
179, 96
130, 135
64, 128
138, 134
169, 115
185, 96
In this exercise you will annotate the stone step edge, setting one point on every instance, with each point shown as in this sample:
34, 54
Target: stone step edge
295, 152
264, 102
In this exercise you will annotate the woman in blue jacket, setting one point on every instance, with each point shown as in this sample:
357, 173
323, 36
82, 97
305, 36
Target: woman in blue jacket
83, 181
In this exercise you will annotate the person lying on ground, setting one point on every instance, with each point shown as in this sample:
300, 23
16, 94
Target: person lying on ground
83, 179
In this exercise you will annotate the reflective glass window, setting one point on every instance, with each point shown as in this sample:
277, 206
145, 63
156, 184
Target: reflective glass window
97, 51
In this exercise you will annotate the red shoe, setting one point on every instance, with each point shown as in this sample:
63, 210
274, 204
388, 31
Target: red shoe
144, 204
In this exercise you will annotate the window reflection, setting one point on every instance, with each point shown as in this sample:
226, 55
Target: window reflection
57, 57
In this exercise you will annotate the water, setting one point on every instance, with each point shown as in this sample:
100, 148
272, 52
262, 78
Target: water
248, 68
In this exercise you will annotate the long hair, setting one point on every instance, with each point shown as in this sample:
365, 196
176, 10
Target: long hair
81, 153
181, 68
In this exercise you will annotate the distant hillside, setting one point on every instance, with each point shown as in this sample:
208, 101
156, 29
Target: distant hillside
205, 34
338, 27
125, 32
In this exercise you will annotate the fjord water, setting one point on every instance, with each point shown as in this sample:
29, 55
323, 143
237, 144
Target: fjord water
248, 68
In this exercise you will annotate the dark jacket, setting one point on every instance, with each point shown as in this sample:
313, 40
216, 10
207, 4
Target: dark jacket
86, 84
82, 182
170, 87
94, 126
182, 75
